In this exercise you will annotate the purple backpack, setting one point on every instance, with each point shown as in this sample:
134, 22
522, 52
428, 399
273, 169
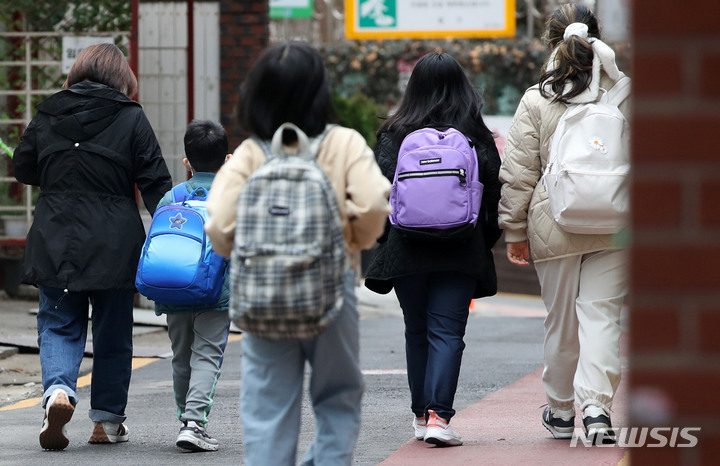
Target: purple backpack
436, 190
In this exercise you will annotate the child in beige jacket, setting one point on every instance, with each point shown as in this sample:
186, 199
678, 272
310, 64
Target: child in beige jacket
289, 84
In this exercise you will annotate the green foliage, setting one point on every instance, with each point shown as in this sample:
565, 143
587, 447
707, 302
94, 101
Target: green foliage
40, 16
361, 113
501, 69
70, 16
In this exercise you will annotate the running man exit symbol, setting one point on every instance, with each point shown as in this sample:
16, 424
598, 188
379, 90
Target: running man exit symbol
378, 13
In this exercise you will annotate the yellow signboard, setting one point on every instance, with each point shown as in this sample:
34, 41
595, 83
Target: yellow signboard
426, 19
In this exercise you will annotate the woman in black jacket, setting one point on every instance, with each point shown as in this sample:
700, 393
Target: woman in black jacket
436, 280
87, 148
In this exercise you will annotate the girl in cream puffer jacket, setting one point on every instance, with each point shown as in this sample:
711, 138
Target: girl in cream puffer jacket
524, 208
582, 276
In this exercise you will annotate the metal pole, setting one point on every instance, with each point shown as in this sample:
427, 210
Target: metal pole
134, 46
28, 117
191, 61
190, 65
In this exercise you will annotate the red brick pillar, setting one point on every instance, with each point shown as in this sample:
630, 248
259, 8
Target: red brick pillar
244, 32
675, 276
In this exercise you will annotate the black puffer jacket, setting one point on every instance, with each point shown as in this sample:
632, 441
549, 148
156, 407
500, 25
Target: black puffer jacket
396, 256
86, 148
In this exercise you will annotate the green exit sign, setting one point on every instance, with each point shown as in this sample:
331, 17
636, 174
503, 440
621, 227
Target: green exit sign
294, 9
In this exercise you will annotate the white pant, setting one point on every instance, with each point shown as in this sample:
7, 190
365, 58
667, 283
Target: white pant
583, 295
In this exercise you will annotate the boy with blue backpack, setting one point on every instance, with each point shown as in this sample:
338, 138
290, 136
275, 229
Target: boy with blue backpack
198, 333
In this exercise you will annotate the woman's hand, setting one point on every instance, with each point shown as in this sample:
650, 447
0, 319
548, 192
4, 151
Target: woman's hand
518, 253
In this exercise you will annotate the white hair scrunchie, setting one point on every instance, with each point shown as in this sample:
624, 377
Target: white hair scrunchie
576, 29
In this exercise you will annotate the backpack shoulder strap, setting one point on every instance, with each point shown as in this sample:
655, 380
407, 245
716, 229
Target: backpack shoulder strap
317, 140
619, 92
179, 193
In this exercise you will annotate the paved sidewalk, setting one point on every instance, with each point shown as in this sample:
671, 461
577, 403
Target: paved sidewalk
504, 429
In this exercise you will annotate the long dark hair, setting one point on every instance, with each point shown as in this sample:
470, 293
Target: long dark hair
574, 56
287, 83
438, 94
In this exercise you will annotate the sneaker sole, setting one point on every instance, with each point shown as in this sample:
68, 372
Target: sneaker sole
99, 436
194, 444
59, 414
437, 438
601, 435
559, 434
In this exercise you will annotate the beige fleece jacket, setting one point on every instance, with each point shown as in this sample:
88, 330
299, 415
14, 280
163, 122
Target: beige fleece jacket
360, 188
524, 210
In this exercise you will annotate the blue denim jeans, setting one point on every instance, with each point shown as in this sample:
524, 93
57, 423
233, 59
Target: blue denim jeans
62, 332
272, 385
435, 308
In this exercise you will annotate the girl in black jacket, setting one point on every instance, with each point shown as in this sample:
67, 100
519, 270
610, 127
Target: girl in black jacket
436, 280
87, 148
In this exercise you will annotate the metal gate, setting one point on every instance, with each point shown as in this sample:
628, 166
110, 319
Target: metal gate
41, 51
163, 72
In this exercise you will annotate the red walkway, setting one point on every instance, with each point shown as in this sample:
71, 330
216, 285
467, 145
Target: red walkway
504, 429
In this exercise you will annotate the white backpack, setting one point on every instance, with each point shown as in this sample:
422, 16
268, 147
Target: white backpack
588, 168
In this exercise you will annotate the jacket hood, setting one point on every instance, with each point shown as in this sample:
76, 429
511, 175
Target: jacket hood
84, 110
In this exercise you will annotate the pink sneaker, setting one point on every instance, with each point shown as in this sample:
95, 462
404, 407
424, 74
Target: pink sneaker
440, 433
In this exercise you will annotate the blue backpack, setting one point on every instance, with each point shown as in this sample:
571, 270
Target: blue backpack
177, 264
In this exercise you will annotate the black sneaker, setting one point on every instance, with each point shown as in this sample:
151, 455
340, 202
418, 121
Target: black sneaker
558, 427
599, 430
193, 437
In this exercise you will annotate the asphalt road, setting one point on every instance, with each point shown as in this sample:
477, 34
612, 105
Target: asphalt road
504, 340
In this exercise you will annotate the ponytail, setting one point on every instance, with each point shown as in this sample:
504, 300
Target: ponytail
568, 70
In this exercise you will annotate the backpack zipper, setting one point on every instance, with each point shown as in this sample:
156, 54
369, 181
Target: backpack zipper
459, 172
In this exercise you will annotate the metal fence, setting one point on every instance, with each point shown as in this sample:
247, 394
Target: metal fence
41, 49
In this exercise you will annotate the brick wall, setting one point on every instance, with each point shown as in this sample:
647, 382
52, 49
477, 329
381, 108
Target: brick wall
244, 32
675, 268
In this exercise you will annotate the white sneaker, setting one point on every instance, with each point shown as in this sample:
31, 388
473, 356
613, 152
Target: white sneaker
440, 433
420, 427
109, 432
58, 411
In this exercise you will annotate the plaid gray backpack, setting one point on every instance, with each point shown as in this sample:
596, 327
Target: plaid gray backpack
288, 260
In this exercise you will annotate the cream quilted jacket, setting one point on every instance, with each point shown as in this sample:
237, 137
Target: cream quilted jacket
524, 211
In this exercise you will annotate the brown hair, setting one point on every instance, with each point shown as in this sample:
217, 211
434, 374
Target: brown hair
104, 64
574, 56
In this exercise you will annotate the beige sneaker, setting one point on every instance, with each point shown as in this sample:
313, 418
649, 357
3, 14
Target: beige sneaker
58, 411
440, 433
109, 432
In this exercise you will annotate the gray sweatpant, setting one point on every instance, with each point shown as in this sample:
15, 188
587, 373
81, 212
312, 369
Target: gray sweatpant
198, 343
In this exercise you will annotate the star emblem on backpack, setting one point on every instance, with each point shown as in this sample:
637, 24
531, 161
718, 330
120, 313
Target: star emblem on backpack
177, 221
